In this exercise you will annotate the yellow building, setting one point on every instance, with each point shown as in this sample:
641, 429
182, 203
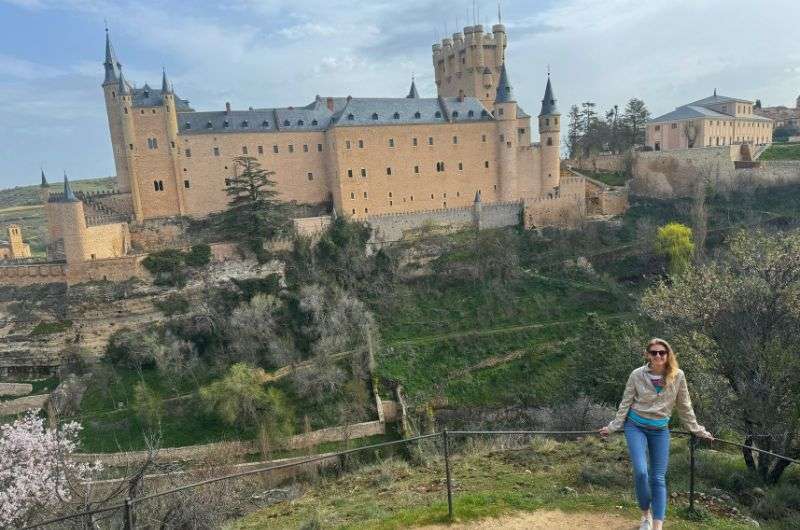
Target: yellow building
14, 248
362, 156
712, 121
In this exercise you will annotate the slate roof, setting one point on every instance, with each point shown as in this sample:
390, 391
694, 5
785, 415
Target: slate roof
688, 112
150, 97
505, 92
549, 100
345, 112
713, 100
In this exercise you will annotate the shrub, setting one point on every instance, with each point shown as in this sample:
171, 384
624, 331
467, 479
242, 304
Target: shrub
173, 304
48, 328
133, 349
164, 262
198, 256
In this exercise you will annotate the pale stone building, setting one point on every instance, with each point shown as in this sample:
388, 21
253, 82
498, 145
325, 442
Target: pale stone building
712, 121
14, 247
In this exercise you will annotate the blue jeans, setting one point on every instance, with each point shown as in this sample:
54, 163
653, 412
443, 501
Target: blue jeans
649, 450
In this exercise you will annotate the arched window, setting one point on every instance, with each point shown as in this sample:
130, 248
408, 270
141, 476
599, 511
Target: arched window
396, 115
438, 114
455, 114
417, 115
375, 116
285, 123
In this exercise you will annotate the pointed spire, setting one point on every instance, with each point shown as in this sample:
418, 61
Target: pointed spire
111, 65
505, 92
166, 88
478, 196
123, 87
68, 195
549, 100
44, 183
715, 92
412, 93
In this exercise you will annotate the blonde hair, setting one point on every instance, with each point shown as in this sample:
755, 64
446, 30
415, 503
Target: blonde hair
671, 369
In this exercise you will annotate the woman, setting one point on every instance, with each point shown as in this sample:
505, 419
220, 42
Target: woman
650, 394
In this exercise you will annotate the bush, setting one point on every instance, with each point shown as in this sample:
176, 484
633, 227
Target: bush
173, 304
198, 256
778, 502
132, 349
48, 328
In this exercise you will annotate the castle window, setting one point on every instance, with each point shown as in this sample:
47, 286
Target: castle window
658, 127
502, 138
522, 131
375, 116
131, 146
454, 114
286, 123
125, 110
438, 114
244, 149
188, 153
461, 166
350, 173
416, 169
547, 121
158, 185
455, 139
209, 125
500, 111
113, 94
508, 144
365, 194
431, 195
361, 144
555, 121
350, 117
549, 141
439, 167
483, 138
291, 148
430, 140
417, 115
353, 195
310, 176
265, 124
216, 151
152, 143
226, 124
187, 125
275, 149
390, 194
186, 184
458, 194
390, 203
484, 113
471, 114
227, 182
347, 144
245, 124
354, 211
172, 144
388, 171
675, 125
363, 172
412, 198
396, 116
486, 164
444, 195
314, 122
319, 148
366, 210
414, 142
305, 148
391, 142
260, 149
300, 123
141, 111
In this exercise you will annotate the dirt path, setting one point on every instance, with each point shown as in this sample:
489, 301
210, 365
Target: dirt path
547, 520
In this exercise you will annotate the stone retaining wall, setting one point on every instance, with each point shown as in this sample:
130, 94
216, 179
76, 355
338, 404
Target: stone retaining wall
23, 404
15, 389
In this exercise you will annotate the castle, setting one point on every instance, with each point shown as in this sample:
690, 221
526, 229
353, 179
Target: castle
365, 158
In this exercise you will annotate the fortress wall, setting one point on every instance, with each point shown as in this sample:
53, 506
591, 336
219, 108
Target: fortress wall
20, 275
311, 226
154, 164
564, 210
501, 214
107, 241
598, 162
156, 234
118, 202
112, 269
614, 201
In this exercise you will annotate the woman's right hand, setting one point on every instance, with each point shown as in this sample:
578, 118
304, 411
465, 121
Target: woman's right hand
604, 432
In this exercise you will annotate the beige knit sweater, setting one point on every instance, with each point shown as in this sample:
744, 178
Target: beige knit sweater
641, 396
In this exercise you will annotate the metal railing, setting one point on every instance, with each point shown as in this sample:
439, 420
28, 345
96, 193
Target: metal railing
129, 504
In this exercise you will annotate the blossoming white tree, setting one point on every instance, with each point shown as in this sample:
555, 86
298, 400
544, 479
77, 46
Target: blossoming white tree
37, 472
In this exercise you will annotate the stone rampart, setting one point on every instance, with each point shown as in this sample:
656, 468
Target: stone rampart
29, 274
15, 389
311, 226
597, 163
566, 210
112, 269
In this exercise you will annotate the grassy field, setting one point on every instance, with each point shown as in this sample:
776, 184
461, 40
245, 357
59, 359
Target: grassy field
785, 151
612, 178
581, 476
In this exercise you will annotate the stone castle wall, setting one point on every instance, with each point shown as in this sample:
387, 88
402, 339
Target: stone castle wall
596, 163
29, 274
566, 210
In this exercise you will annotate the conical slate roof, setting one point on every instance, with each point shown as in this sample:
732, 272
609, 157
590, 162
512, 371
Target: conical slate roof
549, 100
505, 92
68, 195
44, 183
412, 93
165, 86
111, 65
123, 88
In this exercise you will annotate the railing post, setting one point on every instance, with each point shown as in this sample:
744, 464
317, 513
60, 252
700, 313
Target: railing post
128, 514
692, 445
445, 443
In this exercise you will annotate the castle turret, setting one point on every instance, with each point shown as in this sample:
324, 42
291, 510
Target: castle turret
73, 225
18, 248
118, 109
412, 92
505, 114
500, 39
171, 127
44, 189
550, 137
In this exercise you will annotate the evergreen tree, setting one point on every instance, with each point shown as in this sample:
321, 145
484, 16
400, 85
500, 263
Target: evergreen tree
254, 215
634, 118
575, 131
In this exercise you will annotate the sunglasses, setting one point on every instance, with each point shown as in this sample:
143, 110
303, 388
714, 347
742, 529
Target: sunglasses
659, 353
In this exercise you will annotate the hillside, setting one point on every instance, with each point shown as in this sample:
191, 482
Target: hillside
21, 205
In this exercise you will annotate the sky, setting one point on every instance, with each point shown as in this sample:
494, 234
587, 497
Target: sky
268, 53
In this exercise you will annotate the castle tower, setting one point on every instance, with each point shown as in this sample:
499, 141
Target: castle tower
171, 127
550, 137
15, 244
505, 114
73, 225
44, 189
118, 110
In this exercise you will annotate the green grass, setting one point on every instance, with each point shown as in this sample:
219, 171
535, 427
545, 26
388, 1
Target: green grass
48, 328
787, 151
488, 483
612, 178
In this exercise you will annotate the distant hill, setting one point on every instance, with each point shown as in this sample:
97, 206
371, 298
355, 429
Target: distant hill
20, 205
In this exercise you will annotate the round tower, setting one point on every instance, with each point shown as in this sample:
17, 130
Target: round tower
171, 126
550, 137
117, 111
500, 39
73, 226
505, 115
477, 50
